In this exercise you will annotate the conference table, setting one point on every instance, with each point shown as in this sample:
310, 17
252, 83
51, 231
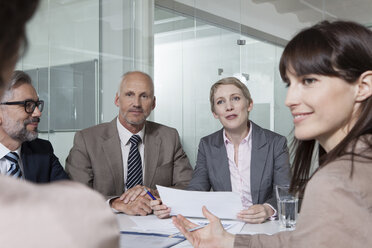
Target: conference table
126, 224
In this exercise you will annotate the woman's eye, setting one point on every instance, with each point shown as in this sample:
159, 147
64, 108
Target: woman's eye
236, 98
309, 80
219, 102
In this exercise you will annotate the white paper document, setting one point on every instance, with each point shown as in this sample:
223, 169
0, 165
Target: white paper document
152, 224
146, 240
225, 205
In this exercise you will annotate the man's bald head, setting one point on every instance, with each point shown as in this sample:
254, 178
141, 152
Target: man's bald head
136, 75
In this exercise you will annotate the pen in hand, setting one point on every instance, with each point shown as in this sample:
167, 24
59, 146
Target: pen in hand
149, 193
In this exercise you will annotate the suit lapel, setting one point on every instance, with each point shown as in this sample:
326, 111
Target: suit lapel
152, 143
112, 152
220, 160
258, 159
27, 163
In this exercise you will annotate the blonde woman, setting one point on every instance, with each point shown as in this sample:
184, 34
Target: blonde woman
241, 157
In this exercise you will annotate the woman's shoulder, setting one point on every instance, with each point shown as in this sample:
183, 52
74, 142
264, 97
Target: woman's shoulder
358, 157
347, 173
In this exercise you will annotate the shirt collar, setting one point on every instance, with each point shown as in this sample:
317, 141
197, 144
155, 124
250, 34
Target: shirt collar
246, 139
125, 134
4, 150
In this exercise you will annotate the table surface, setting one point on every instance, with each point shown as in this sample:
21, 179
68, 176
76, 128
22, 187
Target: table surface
269, 227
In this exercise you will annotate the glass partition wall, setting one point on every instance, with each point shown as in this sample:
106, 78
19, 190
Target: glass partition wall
191, 54
79, 49
62, 59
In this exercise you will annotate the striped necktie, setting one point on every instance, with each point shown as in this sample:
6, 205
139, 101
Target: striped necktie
14, 170
134, 163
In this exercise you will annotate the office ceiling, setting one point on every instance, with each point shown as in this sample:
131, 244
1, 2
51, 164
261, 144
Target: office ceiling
308, 11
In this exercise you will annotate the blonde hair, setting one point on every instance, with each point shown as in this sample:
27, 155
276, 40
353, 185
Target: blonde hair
226, 81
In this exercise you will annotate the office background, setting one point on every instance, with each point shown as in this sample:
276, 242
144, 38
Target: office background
78, 50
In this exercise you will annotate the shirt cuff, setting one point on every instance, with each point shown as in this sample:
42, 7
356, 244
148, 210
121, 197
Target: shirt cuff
272, 217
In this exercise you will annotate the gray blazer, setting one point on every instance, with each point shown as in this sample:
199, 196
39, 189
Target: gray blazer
96, 159
269, 165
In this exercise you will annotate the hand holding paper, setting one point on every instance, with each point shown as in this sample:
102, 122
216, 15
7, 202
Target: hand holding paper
225, 205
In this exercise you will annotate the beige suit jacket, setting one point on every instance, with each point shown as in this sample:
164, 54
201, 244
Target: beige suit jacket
336, 211
62, 214
96, 158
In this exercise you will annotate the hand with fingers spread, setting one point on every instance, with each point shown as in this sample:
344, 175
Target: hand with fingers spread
160, 209
210, 236
140, 206
256, 214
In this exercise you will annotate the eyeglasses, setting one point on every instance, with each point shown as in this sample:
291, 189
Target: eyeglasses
29, 105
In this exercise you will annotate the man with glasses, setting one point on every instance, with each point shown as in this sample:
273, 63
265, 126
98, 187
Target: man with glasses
22, 154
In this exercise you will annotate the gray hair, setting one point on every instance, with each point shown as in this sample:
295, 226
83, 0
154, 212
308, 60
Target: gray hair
18, 78
132, 72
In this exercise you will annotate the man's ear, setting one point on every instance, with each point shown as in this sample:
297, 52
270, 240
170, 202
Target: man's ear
153, 103
364, 86
116, 101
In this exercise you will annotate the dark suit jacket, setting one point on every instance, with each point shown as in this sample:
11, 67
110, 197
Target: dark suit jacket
96, 159
269, 165
40, 165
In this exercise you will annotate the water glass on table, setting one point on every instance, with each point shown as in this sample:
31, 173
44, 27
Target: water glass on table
287, 207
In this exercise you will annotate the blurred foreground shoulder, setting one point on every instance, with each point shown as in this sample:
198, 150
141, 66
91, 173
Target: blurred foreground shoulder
61, 214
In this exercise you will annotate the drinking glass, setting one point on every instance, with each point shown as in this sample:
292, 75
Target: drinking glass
287, 207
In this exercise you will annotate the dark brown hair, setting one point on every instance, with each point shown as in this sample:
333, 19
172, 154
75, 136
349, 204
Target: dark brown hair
340, 49
13, 16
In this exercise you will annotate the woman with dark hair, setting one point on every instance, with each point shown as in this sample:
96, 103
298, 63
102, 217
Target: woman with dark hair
328, 72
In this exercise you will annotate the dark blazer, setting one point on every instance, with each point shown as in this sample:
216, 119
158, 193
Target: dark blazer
96, 159
40, 165
269, 165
